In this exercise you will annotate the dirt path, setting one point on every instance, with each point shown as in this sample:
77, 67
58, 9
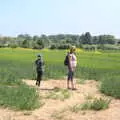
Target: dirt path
58, 108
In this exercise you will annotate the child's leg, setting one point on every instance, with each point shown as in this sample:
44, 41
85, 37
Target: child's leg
39, 81
40, 77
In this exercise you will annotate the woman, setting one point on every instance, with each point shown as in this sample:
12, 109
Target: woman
71, 68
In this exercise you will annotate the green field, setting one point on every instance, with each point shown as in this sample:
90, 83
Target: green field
91, 65
16, 64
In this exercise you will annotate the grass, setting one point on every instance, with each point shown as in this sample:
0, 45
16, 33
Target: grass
99, 104
15, 94
91, 65
19, 98
78, 107
95, 104
59, 94
8, 78
111, 86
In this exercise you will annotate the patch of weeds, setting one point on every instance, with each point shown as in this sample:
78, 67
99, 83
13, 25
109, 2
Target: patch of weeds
76, 108
19, 98
7, 78
85, 106
96, 104
100, 104
59, 94
111, 86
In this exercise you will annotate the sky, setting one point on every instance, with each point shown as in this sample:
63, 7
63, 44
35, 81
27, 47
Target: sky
36, 17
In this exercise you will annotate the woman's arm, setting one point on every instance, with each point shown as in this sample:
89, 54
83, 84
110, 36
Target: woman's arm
69, 58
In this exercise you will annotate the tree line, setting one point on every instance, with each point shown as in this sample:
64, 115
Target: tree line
61, 41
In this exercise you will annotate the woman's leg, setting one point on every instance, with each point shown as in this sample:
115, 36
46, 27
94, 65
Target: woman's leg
73, 83
69, 77
68, 80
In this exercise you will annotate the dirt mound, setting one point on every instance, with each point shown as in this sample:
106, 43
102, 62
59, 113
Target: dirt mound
56, 109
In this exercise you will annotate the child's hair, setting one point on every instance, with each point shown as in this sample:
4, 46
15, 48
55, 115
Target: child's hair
38, 55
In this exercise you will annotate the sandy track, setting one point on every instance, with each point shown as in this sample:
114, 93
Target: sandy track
54, 106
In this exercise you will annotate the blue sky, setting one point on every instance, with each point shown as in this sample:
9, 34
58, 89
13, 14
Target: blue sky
38, 17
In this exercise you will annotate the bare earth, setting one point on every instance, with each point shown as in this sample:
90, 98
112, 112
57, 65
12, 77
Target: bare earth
53, 108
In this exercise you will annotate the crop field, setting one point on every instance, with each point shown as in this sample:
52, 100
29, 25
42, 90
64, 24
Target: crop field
91, 65
17, 64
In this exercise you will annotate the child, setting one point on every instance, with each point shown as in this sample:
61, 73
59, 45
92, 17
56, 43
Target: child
39, 69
